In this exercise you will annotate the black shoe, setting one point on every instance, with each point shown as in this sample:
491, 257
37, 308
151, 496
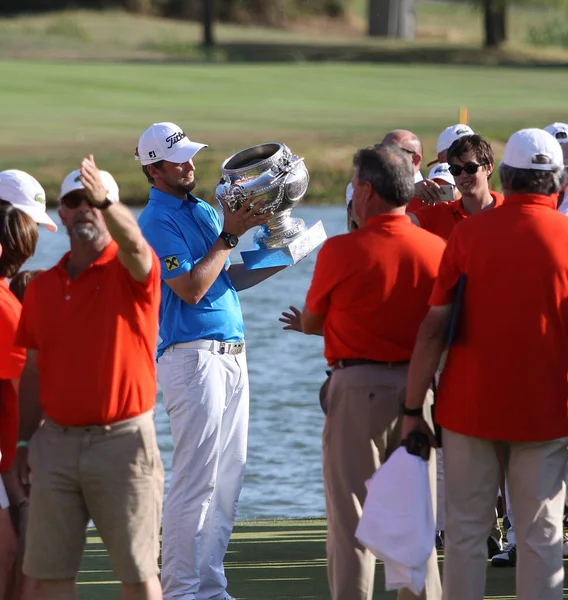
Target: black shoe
494, 546
507, 558
439, 540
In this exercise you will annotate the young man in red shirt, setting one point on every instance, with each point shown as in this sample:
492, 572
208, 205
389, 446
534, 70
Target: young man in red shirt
508, 363
368, 295
471, 163
90, 325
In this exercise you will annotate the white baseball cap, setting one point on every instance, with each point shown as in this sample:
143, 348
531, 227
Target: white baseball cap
559, 131
450, 135
73, 182
166, 141
533, 149
442, 171
25, 193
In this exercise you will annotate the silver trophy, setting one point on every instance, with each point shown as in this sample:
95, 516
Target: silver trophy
270, 171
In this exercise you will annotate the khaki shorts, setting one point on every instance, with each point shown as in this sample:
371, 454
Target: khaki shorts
112, 474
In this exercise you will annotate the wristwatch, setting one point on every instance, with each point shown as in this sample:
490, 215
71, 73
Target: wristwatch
229, 239
102, 206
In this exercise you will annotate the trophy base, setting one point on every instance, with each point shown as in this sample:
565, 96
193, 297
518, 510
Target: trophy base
263, 258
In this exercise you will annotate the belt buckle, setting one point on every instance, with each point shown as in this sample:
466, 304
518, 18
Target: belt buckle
222, 346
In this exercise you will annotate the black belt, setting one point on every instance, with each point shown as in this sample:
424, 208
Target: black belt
355, 362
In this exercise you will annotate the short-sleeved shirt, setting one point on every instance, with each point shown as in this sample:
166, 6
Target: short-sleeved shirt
442, 217
373, 286
506, 375
12, 361
96, 338
182, 232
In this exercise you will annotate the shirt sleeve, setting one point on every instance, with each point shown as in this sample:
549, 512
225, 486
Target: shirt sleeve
324, 280
12, 356
444, 290
26, 333
145, 290
172, 250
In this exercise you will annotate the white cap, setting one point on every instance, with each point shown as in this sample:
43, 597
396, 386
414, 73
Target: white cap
25, 193
451, 134
166, 141
559, 131
533, 149
442, 171
349, 193
73, 182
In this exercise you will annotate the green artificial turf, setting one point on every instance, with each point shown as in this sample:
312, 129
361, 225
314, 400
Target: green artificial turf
269, 560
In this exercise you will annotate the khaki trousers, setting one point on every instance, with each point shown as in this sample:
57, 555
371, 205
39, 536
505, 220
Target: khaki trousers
535, 475
362, 429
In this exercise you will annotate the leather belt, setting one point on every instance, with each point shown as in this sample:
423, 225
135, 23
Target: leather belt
355, 362
211, 345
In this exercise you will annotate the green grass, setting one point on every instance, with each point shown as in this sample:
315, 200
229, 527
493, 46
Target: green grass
269, 560
54, 113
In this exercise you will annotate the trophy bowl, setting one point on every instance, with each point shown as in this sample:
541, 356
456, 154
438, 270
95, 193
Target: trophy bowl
271, 173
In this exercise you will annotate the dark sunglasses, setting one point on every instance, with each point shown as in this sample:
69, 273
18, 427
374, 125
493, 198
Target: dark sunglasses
73, 201
470, 168
561, 135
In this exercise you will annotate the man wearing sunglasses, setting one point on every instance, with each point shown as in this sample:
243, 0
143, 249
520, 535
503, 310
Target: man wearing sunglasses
90, 325
508, 364
471, 163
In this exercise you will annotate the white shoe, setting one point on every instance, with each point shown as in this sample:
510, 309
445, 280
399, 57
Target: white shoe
507, 558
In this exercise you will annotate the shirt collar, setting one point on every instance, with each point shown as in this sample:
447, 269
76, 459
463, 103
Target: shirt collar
157, 195
382, 220
550, 201
103, 258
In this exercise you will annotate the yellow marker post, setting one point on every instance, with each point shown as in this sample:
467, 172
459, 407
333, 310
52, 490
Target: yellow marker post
464, 115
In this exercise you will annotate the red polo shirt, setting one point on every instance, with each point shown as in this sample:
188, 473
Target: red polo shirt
442, 217
373, 286
96, 339
415, 204
506, 376
12, 361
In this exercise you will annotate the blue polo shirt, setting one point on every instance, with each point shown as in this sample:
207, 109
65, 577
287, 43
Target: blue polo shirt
182, 233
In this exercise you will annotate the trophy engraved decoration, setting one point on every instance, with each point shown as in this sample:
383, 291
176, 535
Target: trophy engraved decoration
270, 171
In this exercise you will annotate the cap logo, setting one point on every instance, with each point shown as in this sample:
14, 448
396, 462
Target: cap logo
461, 131
39, 198
173, 139
541, 159
77, 179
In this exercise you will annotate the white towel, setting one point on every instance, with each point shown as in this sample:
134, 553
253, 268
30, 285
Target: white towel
397, 524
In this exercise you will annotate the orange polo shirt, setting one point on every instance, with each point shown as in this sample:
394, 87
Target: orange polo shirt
96, 339
506, 376
12, 361
442, 217
373, 286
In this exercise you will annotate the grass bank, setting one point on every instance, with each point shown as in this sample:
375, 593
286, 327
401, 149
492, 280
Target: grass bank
269, 560
55, 112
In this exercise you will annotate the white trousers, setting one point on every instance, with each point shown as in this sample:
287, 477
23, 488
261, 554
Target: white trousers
206, 396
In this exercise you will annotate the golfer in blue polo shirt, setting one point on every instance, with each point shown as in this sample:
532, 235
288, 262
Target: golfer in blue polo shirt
201, 362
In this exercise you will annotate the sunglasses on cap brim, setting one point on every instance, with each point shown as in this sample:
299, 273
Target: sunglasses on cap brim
470, 168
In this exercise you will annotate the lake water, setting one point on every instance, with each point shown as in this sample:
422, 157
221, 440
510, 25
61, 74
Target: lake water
286, 370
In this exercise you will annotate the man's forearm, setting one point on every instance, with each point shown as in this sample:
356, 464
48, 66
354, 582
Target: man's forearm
243, 278
423, 367
193, 285
29, 403
123, 228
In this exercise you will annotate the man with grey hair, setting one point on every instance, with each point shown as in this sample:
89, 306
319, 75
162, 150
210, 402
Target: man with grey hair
507, 363
368, 296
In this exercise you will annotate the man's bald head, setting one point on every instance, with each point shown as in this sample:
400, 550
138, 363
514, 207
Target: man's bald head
406, 140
